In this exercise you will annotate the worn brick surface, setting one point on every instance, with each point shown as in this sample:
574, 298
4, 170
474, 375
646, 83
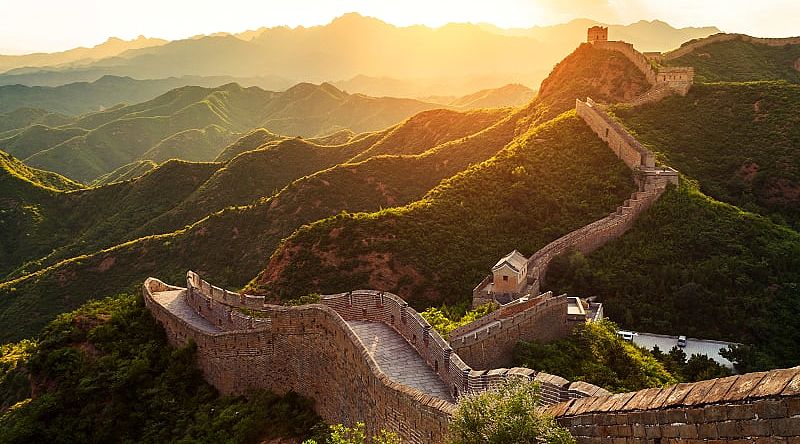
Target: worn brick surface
774, 382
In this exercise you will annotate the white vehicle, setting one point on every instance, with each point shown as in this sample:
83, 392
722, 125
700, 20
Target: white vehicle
627, 335
681, 341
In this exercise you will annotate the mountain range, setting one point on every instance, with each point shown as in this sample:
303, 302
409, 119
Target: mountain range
421, 206
373, 57
196, 124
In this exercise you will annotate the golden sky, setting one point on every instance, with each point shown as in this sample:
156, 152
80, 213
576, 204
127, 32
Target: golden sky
52, 25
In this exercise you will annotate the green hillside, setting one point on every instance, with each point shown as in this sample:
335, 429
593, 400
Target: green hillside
741, 61
43, 225
126, 172
437, 248
509, 95
253, 140
243, 236
194, 144
606, 76
194, 123
740, 140
691, 259
430, 128
107, 91
36, 137
15, 121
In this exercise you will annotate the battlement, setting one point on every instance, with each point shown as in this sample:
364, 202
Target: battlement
597, 34
245, 344
677, 79
753, 407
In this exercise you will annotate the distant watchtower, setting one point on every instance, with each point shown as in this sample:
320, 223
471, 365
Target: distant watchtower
597, 34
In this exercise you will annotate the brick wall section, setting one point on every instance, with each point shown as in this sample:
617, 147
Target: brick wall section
688, 47
677, 79
493, 344
754, 407
310, 350
221, 308
624, 145
505, 311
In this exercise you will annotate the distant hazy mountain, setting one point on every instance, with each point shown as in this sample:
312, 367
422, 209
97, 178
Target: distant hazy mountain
107, 91
645, 35
353, 45
109, 48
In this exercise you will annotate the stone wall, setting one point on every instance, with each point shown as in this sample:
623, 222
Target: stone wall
310, 350
678, 79
370, 305
625, 146
636, 57
505, 311
754, 407
593, 236
493, 344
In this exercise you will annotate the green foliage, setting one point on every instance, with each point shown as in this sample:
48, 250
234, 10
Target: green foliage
340, 434
130, 171
740, 141
105, 373
242, 235
312, 298
508, 415
740, 61
595, 353
696, 368
690, 259
444, 322
437, 248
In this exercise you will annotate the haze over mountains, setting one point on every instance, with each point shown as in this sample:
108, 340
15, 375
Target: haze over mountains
368, 55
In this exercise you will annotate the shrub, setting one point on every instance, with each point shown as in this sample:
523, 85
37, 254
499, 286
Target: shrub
507, 415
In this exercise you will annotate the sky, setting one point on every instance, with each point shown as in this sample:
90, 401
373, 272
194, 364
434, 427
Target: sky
55, 25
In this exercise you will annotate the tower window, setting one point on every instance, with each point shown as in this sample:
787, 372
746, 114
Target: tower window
505, 278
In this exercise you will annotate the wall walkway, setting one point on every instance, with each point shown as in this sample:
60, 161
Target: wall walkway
362, 356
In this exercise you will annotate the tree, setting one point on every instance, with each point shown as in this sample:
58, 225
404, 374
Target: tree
340, 434
507, 415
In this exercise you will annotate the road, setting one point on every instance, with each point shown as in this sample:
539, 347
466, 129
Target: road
693, 346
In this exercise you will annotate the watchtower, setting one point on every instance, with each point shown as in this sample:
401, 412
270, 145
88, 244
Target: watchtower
597, 34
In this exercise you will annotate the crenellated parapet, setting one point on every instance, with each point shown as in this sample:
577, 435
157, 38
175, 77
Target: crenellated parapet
244, 344
753, 407
664, 80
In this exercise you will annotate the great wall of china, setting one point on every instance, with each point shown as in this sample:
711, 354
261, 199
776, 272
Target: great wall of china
367, 356
362, 356
690, 46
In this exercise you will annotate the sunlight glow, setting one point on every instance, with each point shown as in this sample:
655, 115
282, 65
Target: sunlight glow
65, 24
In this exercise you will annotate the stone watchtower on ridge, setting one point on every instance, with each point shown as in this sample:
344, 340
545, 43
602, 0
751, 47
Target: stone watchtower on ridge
597, 34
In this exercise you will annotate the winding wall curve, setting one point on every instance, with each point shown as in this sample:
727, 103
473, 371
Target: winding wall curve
313, 351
